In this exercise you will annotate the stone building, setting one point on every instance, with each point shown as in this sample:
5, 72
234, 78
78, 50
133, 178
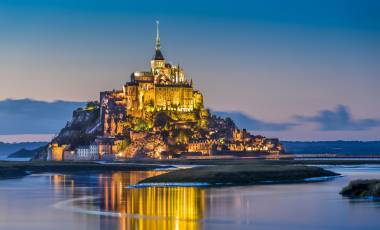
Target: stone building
69, 155
241, 141
205, 146
104, 146
163, 88
87, 153
55, 151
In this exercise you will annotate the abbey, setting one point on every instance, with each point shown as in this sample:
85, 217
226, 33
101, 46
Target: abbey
163, 88
156, 114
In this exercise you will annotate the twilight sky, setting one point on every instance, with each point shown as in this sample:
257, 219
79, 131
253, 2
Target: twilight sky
300, 70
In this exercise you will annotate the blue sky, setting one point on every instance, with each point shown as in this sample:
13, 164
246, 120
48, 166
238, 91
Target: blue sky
274, 61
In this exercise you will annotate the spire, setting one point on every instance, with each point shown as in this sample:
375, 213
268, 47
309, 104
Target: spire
158, 55
158, 45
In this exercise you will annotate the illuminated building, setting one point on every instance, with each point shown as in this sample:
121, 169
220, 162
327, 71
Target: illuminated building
55, 152
203, 146
87, 153
163, 88
240, 142
157, 114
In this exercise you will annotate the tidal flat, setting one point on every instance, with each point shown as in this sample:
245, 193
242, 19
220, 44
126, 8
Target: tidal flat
10, 170
245, 174
213, 171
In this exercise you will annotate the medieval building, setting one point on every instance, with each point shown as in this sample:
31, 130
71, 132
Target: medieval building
163, 88
156, 114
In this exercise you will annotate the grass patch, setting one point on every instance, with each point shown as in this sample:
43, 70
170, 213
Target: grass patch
241, 174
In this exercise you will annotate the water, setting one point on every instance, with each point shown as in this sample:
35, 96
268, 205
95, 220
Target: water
105, 201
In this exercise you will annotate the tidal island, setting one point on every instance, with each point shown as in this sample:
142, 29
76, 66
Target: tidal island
159, 117
158, 114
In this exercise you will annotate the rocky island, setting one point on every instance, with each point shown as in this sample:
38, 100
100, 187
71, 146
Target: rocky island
362, 189
157, 114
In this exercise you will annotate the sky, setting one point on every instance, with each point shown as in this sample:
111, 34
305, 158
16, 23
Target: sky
295, 69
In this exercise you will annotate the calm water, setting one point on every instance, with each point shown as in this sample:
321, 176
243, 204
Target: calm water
103, 201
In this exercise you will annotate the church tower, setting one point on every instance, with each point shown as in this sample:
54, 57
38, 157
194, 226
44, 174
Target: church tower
158, 61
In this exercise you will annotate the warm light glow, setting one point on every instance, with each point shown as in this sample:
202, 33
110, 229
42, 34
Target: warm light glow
144, 208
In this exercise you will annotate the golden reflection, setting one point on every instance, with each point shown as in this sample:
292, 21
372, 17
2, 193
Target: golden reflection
153, 208
142, 208
61, 183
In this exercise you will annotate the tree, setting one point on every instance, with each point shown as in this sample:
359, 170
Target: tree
162, 119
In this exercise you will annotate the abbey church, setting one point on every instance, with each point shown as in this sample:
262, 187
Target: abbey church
163, 88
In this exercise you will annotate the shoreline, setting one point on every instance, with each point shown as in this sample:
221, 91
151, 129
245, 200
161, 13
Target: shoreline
239, 161
12, 170
205, 184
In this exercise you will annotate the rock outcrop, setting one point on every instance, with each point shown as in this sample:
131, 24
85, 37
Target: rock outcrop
362, 189
83, 128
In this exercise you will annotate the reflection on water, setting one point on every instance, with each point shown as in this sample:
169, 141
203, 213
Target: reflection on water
102, 201
137, 208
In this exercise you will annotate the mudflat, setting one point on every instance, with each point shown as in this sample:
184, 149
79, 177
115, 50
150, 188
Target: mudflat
242, 174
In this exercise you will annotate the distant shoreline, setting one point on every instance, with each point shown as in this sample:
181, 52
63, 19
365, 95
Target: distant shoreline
234, 161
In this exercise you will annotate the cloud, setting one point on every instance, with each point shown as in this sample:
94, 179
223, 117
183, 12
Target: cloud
27, 116
339, 118
243, 120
